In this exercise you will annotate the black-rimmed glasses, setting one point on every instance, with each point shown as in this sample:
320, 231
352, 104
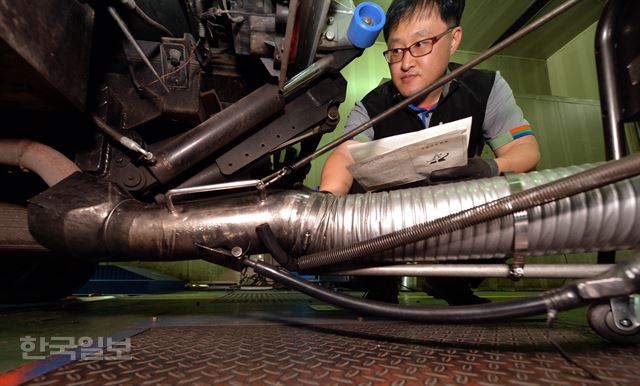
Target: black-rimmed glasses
420, 48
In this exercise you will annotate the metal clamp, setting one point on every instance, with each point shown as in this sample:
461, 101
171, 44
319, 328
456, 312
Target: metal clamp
624, 314
270, 179
227, 258
520, 232
213, 188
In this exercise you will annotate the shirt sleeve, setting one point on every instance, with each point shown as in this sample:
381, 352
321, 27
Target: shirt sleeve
503, 120
357, 117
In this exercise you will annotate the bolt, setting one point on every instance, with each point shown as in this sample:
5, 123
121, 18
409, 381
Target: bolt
367, 20
331, 20
306, 241
132, 180
625, 323
329, 35
174, 57
236, 252
518, 272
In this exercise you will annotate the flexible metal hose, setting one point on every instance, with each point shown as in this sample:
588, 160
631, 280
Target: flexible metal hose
608, 217
568, 186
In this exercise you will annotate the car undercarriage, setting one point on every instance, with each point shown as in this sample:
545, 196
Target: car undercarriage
188, 135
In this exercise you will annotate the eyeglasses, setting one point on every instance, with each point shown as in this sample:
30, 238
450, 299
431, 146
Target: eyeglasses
417, 49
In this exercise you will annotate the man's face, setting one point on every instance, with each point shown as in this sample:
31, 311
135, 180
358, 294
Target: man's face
411, 74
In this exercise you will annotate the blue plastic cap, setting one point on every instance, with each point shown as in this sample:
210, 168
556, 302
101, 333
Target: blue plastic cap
368, 19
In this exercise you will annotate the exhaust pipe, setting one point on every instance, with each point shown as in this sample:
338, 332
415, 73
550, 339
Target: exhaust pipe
51, 165
48, 163
84, 215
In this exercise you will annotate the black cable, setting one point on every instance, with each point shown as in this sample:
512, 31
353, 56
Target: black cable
205, 63
147, 19
132, 75
550, 323
569, 359
268, 239
440, 314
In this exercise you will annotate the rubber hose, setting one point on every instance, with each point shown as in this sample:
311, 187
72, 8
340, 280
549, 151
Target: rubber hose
440, 314
578, 183
268, 239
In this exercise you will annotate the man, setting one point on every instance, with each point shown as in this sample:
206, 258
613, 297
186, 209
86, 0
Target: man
421, 36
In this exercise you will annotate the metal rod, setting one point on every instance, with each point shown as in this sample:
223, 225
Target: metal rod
307, 75
609, 84
284, 58
136, 46
122, 139
537, 271
426, 91
310, 133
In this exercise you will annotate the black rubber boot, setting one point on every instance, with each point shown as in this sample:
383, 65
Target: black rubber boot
381, 288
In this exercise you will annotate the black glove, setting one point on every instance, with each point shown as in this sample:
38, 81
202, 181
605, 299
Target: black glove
475, 168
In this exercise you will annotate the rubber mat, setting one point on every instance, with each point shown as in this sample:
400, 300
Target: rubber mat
361, 353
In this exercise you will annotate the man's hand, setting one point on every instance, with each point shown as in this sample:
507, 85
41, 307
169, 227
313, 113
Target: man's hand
335, 176
475, 168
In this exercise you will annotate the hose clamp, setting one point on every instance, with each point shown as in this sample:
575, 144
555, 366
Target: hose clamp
521, 231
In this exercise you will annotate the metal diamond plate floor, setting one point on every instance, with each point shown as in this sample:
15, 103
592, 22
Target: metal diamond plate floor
358, 354
278, 349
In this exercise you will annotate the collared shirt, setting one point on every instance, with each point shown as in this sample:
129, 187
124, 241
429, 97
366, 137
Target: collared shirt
424, 114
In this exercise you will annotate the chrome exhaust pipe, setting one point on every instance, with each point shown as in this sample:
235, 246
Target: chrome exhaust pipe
84, 215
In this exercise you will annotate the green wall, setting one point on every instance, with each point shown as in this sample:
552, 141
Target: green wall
525, 75
362, 75
572, 69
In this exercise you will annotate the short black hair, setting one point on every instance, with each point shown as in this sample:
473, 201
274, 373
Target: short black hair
400, 10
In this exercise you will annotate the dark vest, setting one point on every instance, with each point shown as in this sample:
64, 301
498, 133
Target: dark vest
468, 95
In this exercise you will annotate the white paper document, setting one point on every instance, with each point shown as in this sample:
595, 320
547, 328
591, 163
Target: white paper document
410, 157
